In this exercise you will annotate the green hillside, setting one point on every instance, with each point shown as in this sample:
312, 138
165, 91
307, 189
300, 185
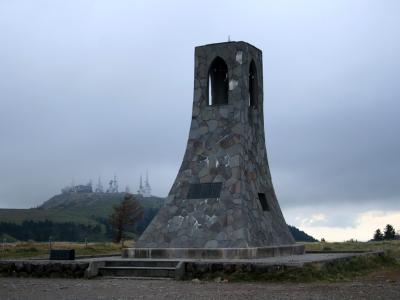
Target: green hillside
83, 215
301, 236
78, 208
18, 216
76, 216
93, 205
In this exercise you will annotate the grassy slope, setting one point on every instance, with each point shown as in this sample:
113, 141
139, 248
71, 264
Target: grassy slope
393, 246
94, 204
37, 249
77, 208
342, 270
87, 209
18, 216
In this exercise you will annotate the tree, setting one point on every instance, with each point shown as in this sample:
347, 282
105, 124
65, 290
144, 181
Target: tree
389, 232
125, 215
378, 236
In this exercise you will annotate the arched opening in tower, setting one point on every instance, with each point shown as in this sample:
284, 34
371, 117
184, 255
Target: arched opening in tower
253, 85
218, 82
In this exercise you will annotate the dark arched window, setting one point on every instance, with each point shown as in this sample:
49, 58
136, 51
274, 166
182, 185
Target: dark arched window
253, 85
218, 82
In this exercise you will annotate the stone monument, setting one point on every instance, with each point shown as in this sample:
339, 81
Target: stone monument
222, 203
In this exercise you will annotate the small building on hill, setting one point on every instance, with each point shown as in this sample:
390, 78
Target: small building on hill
80, 188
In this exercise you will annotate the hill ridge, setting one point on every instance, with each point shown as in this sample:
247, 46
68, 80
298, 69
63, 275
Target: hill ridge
93, 209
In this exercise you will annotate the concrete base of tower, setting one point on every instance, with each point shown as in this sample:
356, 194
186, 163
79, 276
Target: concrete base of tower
213, 253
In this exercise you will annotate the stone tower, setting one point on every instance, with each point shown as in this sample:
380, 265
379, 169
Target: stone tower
222, 197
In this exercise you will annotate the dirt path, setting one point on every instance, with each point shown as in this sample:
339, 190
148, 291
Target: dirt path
375, 286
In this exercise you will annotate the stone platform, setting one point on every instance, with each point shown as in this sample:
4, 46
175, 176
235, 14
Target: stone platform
213, 253
169, 268
186, 268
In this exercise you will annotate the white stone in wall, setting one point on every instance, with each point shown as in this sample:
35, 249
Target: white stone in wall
239, 57
233, 84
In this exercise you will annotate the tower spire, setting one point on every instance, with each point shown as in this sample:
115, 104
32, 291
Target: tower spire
99, 186
145, 190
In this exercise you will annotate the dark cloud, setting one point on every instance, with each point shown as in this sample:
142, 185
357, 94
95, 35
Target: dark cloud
93, 88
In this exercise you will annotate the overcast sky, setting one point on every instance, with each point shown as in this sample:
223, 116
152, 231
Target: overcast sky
93, 88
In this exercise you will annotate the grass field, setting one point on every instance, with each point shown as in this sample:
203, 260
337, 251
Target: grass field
392, 246
78, 208
88, 209
34, 249
369, 266
38, 249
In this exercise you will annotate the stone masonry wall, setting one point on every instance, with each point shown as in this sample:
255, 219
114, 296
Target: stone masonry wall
43, 268
226, 144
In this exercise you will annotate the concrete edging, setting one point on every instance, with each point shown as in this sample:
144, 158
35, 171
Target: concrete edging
213, 253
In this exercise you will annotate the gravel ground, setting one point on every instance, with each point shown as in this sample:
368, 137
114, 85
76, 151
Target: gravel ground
377, 286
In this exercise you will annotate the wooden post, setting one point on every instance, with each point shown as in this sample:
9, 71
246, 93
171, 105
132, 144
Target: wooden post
50, 243
4, 247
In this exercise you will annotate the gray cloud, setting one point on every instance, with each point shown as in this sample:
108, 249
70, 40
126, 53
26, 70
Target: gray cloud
93, 88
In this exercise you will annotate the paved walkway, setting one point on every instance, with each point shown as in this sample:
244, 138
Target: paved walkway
377, 287
292, 260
